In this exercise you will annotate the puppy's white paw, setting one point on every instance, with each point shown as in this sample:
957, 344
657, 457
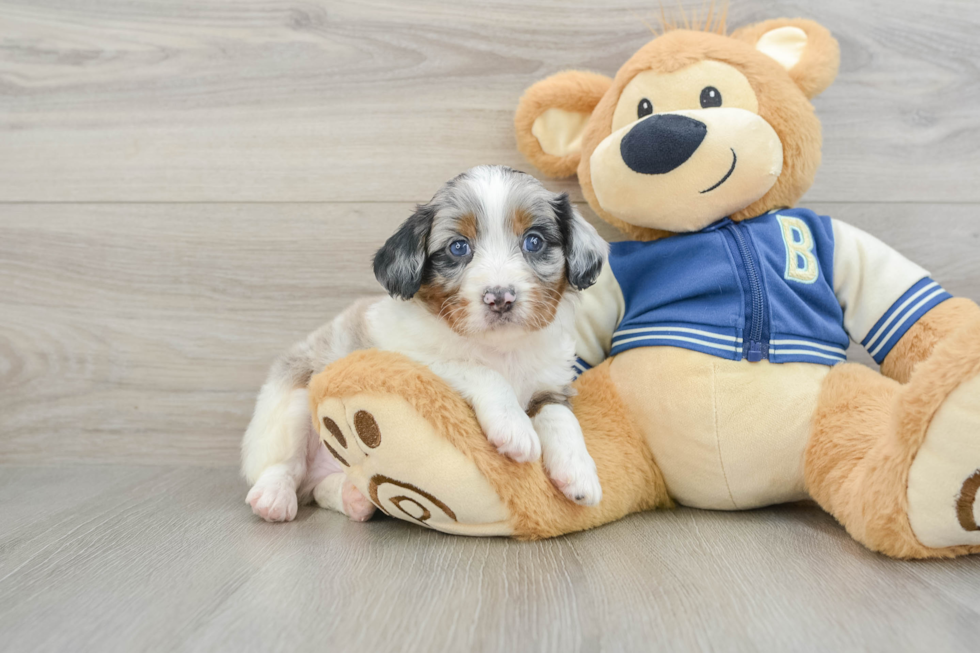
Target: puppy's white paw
356, 506
566, 459
513, 434
574, 474
273, 498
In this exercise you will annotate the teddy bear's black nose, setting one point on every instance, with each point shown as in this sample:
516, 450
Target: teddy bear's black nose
661, 143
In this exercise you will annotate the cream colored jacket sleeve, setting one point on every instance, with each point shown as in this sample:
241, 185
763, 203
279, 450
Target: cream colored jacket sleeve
882, 293
599, 313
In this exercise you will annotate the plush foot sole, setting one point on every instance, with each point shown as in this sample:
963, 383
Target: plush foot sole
396, 460
945, 476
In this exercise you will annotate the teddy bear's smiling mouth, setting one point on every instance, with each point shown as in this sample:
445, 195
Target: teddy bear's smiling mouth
727, 174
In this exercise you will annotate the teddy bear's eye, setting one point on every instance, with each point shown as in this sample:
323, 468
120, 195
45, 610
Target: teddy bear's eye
710, 97
644, 108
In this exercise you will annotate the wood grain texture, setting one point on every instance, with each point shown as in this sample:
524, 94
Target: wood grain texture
161, 558
278, 100
141, 333
189, 186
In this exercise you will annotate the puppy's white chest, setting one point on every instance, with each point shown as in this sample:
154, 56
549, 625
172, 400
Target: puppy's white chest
523, 379
541, 362
533, 369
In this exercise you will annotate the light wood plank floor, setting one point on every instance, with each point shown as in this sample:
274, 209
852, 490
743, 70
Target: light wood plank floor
162, 558
188, 186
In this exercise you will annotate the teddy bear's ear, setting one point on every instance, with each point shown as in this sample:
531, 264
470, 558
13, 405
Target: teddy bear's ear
804, 48
551, 118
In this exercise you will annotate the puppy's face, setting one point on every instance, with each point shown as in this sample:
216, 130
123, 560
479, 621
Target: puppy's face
492, 252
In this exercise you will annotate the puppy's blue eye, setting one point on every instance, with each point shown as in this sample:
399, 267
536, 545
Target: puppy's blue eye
459, 248
533, 243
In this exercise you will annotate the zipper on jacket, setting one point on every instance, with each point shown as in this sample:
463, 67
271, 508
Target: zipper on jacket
756, 350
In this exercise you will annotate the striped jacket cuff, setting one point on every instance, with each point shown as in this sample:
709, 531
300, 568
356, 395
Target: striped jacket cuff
580, 367
903, 314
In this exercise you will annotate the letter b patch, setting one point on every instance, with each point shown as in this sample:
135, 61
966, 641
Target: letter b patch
801, 264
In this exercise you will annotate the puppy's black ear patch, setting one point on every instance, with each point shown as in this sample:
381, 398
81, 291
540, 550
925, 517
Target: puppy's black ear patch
584, 248
399, 263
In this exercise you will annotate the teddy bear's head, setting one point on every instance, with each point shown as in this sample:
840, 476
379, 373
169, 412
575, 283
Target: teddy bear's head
696, 126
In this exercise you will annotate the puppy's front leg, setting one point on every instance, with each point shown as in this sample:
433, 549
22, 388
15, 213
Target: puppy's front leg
500, 414
566, 459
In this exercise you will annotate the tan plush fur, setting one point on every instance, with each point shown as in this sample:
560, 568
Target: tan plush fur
919, 341
714, 19
573, 90
866, 433
630, 480
817, 69
850, 422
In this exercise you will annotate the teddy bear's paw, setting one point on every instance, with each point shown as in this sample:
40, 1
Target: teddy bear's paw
396, 460
273, 498
513, 434
945, 476
356, 505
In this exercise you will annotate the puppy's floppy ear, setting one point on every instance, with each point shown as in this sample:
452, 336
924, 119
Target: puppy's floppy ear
804, 48
585, 250
398, 264
551, 118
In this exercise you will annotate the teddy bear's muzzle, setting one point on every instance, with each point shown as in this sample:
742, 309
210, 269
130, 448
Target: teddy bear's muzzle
661, 143
682, 170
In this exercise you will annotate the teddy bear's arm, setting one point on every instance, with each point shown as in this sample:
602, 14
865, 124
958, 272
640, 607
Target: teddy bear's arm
887, 300
918, 342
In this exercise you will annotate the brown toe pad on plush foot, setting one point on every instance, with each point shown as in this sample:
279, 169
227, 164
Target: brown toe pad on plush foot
939, 421
945, 475
396, 458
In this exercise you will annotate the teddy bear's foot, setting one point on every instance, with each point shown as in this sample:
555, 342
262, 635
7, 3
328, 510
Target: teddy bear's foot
413, 447
945, 475
897, 464
398, 461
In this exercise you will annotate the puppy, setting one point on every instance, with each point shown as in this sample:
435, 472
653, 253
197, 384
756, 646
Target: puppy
482, 283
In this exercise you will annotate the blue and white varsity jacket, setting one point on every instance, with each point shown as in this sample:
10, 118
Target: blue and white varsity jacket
787, 286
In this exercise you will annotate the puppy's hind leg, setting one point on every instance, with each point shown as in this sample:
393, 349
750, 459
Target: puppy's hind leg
275, 451
330, 487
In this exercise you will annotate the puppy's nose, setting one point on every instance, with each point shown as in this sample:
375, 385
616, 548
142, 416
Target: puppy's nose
499, 299
661, 143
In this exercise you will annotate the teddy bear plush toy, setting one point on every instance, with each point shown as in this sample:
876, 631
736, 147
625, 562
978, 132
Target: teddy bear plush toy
713, 344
